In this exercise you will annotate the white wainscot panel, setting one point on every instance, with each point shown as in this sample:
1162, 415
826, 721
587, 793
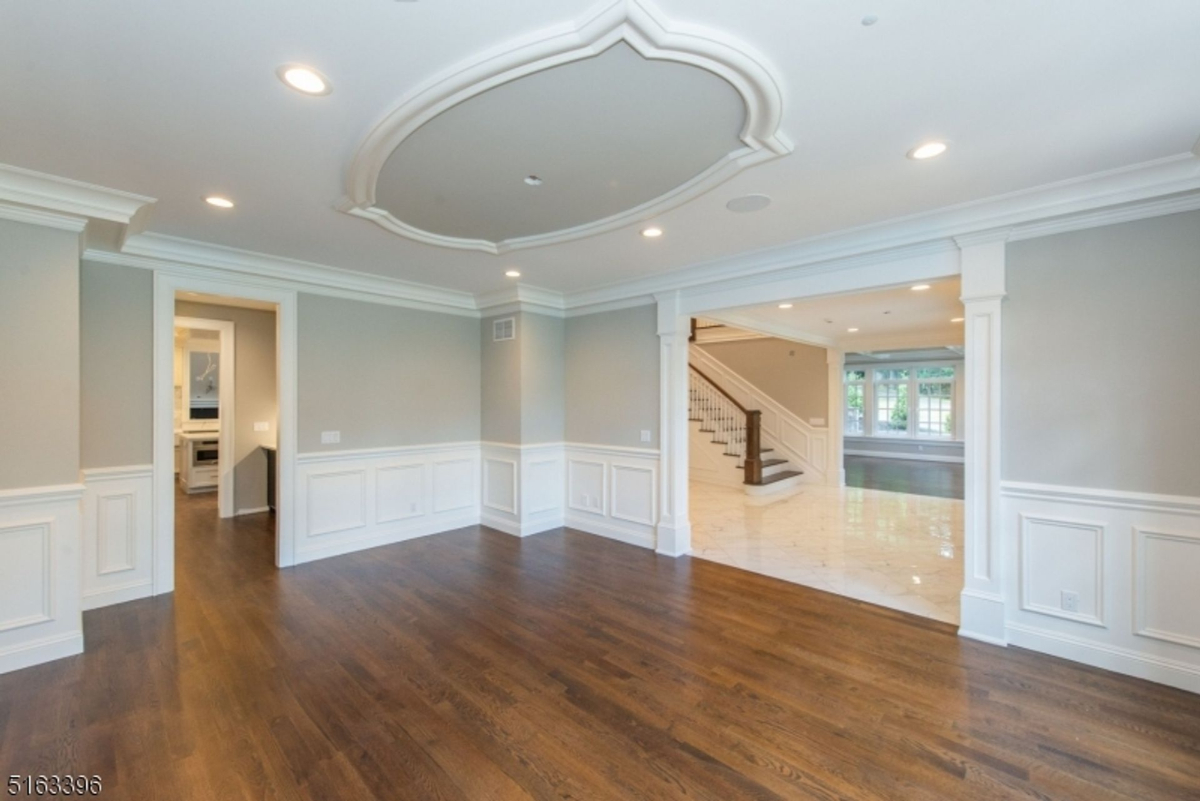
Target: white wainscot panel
500, 484
1167, 586
40, 567
399, 492
118, 535
633, 493
544, 485
1063, 560
26, 593
586, 486
351, 500
455, 484
337, 502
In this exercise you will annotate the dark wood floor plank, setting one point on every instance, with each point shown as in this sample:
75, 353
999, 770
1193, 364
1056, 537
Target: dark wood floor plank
475, 666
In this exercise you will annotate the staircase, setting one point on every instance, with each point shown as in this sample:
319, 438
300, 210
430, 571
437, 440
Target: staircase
734, 432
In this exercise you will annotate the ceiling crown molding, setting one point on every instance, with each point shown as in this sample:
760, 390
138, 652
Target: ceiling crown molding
641, 27
49, 193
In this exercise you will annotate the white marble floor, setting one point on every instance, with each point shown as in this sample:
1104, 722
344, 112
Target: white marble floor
888, 548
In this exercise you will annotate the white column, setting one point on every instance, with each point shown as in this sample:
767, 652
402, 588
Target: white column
835, 468
983, 292
674, 529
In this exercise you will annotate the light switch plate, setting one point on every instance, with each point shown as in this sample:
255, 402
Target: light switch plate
262, 426
331, 437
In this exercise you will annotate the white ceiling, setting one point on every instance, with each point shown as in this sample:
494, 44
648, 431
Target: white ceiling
605, 135
180, 100
882, 316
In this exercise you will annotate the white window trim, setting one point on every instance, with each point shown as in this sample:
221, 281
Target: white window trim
869, 410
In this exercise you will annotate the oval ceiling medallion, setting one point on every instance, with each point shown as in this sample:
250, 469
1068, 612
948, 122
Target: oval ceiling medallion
568, 135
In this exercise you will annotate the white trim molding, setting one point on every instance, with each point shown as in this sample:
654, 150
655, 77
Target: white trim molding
41, 616
67, 197
118, 534
613, 492
1131, 558
643, 28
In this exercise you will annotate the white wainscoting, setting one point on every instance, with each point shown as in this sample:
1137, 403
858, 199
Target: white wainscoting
351, 500
523, 487
118, 535
40, 612
613, 492
1132, 561
801, 443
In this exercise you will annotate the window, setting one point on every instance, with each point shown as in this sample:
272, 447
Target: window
855, 398
935, 402
913, 400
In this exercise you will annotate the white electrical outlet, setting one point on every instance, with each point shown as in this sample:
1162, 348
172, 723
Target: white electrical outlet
645, 435
331, 437
1070, 601
262, 426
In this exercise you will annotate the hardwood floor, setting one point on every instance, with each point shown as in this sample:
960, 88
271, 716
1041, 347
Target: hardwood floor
911, 476
473, 665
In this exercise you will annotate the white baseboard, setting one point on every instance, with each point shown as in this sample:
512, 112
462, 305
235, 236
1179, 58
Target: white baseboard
906, 457
389, 536
28, 654
608, 528
982, 617
117, 594
1109, 657
257, 511
521, 529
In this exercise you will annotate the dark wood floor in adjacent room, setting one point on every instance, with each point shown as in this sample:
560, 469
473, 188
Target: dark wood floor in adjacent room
474, 665
912, 476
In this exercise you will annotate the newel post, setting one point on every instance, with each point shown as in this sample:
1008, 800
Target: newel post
753, 458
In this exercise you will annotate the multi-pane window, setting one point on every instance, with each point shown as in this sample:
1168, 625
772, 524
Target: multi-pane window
935, 402
855, 400
891, 402
901, 401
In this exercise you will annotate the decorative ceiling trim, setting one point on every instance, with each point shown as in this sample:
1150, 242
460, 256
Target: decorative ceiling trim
64, 196
634, 22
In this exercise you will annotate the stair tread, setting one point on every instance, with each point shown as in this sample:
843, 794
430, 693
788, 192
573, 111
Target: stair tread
766, 463
786, 474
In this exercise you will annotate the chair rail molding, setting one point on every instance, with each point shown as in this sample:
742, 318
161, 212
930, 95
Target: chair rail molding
642, 27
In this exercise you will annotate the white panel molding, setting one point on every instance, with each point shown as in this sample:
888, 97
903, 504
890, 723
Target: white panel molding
802, 443
1144, 582
500, 476
68, 197
40, 568
642, 27
121, 531
626, 485
636, 509
352, 500
1148, 598
1028, 567
587, 484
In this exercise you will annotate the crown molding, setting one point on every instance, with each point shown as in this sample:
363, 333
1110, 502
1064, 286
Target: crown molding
172, 254
639, 25
748, 323
63, 196
45, 219
521, 298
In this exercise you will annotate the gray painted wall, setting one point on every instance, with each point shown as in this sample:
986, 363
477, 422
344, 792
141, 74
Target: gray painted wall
792, 374
385, 376
500, 383
543, 383
612, 378
39, 356
1100, 351
255, 395
116, 365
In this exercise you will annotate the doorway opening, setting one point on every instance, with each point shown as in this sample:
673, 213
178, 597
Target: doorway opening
826, 443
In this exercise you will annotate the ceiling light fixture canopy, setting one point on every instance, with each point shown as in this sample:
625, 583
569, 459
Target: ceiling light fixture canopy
513, 273
219, 202
927, 150
653, 232
304, 79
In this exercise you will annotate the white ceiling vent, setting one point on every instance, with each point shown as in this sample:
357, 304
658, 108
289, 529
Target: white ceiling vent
504, 329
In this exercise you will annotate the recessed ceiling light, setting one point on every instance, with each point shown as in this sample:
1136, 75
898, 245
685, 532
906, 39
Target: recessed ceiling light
785, 305
513, 273
748, 203
956, 320
927, 150
920, 287
851, 330
652, 232
304, 79
219, 202
533, 180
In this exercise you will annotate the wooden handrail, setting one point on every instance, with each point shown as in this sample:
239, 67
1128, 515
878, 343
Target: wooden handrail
752, 460
718, 388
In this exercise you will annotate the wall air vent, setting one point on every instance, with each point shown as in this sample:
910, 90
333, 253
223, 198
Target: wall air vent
504, 329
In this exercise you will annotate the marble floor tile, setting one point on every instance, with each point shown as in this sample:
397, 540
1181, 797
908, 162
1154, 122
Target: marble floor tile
892, 549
